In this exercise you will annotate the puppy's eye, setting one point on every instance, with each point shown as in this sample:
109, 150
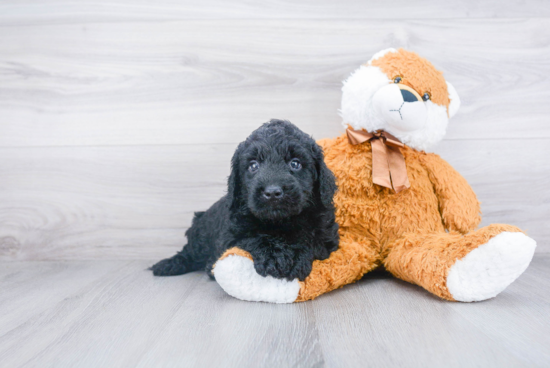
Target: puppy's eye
426, 96
253, 166
295, 164
397, 79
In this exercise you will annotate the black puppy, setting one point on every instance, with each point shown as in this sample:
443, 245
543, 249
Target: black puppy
278, 208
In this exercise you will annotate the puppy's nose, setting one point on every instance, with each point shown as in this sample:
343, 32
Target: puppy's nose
408, 96
272, 192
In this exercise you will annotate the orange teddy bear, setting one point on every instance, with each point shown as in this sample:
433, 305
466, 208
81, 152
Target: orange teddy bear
398, 207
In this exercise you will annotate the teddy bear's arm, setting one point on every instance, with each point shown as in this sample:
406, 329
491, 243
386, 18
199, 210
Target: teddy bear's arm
458, 203
326, 143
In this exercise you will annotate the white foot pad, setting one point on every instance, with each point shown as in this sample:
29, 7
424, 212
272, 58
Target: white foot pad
489, 269
237, 276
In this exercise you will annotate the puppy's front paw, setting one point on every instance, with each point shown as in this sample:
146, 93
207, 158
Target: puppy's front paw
301, 269
276, 265
284, 266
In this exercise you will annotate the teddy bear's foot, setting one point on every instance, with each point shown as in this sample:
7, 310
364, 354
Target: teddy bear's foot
238, 278
490, 268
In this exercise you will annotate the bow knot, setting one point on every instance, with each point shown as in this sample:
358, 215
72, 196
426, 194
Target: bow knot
388, 164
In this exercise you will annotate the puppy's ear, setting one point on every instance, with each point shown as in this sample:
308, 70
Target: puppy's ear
234, 180
326, 180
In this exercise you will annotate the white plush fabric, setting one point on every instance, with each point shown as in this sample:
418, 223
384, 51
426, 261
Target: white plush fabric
433, 131
237, 276
489, 269
357, 93
455, 100
405, 117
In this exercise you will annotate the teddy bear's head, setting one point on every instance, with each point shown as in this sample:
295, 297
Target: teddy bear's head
399, 92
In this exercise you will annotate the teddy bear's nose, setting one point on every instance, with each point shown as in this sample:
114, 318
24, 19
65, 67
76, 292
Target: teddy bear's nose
408, 96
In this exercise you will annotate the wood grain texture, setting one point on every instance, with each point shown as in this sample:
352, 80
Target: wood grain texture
118, 118
116, 314
136, 202
23, 12
213, 81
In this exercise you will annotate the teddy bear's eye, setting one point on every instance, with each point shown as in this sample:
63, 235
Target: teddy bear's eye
426, 96
397, 79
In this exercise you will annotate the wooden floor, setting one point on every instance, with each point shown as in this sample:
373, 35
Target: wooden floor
116, 314
118, 120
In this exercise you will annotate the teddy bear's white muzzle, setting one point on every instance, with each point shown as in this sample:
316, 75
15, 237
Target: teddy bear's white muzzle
402, 116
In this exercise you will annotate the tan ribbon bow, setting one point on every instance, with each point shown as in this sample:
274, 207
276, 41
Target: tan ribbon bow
388, 164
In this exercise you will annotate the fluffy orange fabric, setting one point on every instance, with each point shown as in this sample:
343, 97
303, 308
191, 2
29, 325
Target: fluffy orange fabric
405, 232
425, 259
420, 74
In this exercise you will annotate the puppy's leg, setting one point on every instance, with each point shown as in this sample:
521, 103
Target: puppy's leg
183, 262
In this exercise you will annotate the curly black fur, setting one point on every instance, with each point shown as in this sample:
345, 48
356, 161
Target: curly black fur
278, 207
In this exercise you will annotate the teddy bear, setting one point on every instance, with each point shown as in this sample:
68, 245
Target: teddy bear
397, 206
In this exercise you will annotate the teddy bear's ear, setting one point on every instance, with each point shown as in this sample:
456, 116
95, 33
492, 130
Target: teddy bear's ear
379, 54
455, 100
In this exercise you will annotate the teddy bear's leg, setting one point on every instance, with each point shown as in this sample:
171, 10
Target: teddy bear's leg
466, 268
235, 273
354, 257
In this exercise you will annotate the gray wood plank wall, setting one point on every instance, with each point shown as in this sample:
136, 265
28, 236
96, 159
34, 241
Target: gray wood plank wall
118, 119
